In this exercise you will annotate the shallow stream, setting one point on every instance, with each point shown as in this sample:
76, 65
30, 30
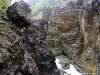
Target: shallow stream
70, 71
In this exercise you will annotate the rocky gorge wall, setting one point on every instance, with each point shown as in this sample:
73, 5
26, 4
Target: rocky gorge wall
23, 49
29, 47
73, 29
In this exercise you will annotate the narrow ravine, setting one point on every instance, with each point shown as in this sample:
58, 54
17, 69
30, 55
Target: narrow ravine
50, 37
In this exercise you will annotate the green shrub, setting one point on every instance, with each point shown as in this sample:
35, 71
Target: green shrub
39, 6
4, 5
36, 8
43, 4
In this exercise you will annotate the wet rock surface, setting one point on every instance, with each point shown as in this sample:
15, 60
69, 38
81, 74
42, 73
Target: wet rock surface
67, 67
23, 51
73, 30
64, 61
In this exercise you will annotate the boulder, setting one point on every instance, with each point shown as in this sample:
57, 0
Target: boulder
64, 61
19, 14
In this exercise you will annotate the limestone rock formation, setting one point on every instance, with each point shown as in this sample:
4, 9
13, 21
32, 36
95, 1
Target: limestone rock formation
23, 51
70, 28
73, 29
14, 58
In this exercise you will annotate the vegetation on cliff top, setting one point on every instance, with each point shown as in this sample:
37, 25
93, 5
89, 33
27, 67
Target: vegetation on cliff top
43, 4
4, 4
37, 5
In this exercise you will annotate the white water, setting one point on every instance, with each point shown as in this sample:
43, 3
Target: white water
71, 70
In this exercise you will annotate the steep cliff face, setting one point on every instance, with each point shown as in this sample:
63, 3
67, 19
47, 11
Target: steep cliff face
73, 29
63, 31
23, 51
14, 60
70, 28
89, 32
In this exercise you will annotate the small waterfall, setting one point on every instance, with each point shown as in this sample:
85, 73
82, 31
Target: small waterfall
70, 71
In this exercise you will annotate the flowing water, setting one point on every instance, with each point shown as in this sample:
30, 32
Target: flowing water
70, 71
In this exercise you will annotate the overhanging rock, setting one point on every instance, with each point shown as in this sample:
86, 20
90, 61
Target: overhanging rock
19, 14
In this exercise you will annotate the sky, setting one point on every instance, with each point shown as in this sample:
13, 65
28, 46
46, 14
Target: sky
33, 1
13, 1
